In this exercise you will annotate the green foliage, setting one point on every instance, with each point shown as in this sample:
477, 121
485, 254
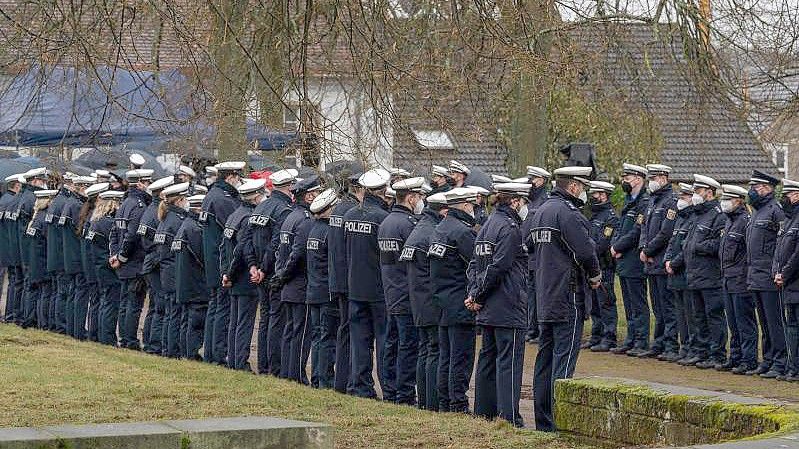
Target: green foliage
620, 132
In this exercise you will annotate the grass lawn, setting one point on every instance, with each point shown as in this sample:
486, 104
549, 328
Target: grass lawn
48, 379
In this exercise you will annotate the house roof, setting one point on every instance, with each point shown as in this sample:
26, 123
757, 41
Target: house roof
645, 66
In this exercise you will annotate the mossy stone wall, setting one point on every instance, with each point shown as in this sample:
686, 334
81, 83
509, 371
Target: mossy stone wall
616, 412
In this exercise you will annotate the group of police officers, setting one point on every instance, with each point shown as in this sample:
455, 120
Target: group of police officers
404, 274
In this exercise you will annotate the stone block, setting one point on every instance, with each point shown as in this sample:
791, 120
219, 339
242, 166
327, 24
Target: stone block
252, 433
145, 435
26, 437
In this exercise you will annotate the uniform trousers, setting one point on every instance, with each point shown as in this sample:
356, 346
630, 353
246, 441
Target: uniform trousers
133, 297
775, 354
245, 307
367, 337
110, 297
532, 308
153, 331
604, 315
42, 290
170, 333
275, 343
388, 364
665, 338
686, 328
324, 324
427, 368
405, 362
791, 313
734, 356
263, 331
92, 311
296, 335
746, 321
83, 292
196, 313
70, 291
343, 381
498, 381
711, 335
636, 310
558, 349
8, 314
456, 345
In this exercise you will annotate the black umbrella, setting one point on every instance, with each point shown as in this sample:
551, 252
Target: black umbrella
479, 178
116, 158
10, 167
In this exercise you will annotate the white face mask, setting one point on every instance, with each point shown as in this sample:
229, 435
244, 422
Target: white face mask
653, 186
583, 197
682, 204
727, 206
417, 209
523, 211
697, 199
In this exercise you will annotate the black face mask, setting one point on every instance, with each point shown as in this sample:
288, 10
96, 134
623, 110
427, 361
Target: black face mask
626, 187
787, 206
451, 181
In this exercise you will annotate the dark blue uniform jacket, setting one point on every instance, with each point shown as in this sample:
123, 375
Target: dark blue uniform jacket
266, 220
391, 237
425, 312
55, 260
786, 259
536, 199
629, 235
36, 234
451, 252
222, 199
187, 247
732, 250
761, 241
566, 255
70, 235
674, 252
237, 251
604, 225
146, 231
363, 254
499, 281
86, 254
336, 247
701, 250
100, 235
164, 236
6, 227
127, 219
24, 212
658, 226
291, 260
318, 291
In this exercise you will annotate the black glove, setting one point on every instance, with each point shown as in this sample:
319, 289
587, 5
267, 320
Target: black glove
276, 283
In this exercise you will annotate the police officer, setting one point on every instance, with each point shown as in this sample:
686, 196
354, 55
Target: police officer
703, 273
238, 254
186, 174
458, 173
761, 241
497, 294
153, 333
786, 276
104, 239
628, 263
566, 256
656, 231
190, 288
538, 178
604, 224
323, 311
426, 314
136, 161
39, 280
451, 250
337, 277
87, 306
16, 275
739, 305
77, 300
439, 177
675, 267
392, 234
55, 259
171, 213
367, 306
222, 199
129, 258
266, 220
35, 179
13, 186
290, 280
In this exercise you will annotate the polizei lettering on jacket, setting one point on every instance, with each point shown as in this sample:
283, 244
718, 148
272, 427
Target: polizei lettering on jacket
360, 227
541, 235
483, 249
389, 245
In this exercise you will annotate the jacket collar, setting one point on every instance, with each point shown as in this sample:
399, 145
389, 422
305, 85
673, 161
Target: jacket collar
509, 212
374, 200
462, 216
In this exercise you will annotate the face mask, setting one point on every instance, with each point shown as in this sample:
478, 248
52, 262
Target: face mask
583, 197
753, 196
653, 186
185, 206
682, 204
417, 209
626, 187
726, 206
697, 199
523, 211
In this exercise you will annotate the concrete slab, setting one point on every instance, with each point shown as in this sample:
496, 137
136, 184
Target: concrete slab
24, 438
783, 442
144, 435
253, 433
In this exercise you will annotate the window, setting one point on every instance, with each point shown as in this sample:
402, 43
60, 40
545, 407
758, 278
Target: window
291, 116
433, 139
778, 151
